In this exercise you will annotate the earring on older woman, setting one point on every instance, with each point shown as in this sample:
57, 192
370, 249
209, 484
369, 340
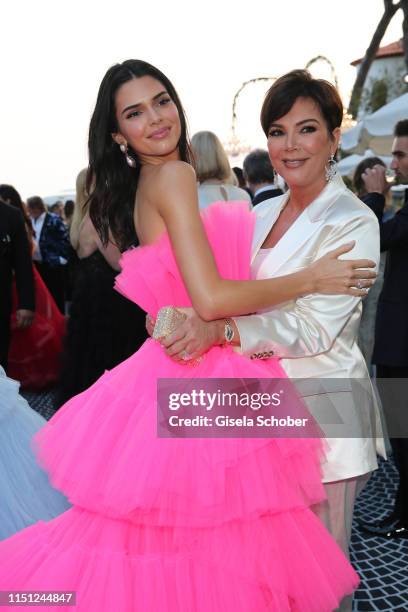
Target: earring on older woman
129, 160
331, 168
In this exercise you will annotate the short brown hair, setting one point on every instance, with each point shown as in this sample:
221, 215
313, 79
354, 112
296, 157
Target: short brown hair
36, 203
300, 84
401, 128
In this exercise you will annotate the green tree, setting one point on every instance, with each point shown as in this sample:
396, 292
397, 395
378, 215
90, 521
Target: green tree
379, 94
390, 8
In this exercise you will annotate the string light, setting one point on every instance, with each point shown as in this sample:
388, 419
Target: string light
323, 58
234, 147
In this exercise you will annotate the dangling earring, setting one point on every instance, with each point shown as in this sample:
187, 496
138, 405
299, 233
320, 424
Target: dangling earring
129, 160
331, 168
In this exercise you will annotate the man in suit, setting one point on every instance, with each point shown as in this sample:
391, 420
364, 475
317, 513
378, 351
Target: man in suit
260, 176
391, 335
15, 257
51, 248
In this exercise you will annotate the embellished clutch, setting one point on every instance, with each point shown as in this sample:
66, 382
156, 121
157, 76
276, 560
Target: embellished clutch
167, 320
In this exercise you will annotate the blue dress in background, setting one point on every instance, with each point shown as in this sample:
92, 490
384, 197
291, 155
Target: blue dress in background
26, 495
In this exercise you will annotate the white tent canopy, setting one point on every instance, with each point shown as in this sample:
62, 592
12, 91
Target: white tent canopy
347, 165
62, 196
375, 131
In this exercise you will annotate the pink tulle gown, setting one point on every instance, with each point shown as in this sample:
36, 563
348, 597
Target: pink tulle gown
177, 525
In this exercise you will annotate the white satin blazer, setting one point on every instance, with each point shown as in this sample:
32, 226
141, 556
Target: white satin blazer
315, 336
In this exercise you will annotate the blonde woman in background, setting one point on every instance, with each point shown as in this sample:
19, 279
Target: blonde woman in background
214, 173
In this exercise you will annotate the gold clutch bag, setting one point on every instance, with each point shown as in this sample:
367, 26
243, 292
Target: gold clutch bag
167, 320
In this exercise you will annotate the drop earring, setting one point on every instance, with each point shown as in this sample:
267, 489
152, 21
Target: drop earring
331, 169
129, 160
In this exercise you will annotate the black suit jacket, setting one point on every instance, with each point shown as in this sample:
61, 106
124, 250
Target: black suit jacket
15, 254
391, 335
265, 195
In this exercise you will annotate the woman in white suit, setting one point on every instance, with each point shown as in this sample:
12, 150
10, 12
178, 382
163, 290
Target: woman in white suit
315, 336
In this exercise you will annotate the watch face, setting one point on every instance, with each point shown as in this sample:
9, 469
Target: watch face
229, 333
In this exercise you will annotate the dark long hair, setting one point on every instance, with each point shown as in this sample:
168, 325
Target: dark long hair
111, 183
11, 196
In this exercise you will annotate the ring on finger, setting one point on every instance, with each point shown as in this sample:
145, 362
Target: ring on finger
185, 356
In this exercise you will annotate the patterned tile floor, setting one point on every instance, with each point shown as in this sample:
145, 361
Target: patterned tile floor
382, 565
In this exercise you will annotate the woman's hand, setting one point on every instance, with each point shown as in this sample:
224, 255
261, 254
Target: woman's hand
24, 318
192, 338
333, 276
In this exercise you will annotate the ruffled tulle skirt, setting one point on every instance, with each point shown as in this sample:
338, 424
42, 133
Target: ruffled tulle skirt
279, 562
194, 525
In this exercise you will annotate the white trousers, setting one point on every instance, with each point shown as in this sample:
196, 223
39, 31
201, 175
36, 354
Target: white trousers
336, 512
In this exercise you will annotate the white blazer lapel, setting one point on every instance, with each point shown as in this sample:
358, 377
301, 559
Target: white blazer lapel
302, 229
292, 242
266, 217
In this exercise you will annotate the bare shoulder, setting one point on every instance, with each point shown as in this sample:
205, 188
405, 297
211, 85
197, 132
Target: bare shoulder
175, 181
176, 170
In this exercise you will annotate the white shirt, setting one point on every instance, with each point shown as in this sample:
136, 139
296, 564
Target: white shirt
37, 227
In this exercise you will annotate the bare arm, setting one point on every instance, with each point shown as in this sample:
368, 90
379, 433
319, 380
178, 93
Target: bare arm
305, 327
213, 297
89, 242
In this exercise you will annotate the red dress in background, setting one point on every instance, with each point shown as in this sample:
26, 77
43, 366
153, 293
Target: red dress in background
35, 351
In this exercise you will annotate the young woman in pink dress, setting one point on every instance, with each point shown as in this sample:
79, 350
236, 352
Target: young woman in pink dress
186, 525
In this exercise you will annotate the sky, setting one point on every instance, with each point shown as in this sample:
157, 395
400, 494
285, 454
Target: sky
54, 55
